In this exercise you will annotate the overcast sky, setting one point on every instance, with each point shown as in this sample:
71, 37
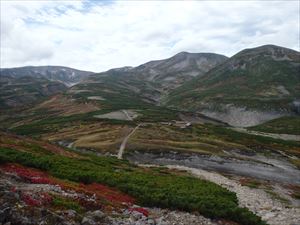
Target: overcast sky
99, 35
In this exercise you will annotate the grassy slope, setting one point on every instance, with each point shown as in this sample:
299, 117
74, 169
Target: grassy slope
284, 125
206, 138
151, 187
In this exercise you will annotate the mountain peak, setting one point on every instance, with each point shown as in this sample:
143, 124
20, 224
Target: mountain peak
184, 53
271, 50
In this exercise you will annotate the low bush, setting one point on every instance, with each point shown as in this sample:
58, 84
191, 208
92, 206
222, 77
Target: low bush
148, 186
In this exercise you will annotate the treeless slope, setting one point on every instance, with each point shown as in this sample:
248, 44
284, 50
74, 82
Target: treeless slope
26, 144
66, 106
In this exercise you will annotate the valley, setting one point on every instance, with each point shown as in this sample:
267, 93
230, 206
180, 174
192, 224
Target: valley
169, 137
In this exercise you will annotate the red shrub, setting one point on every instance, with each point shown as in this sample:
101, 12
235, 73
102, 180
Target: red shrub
30, 201
108, 193
46, 198
102, 193
29, 174
140, 210
38, 200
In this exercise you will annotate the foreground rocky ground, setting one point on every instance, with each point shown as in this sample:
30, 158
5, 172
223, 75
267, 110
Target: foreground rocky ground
30, 197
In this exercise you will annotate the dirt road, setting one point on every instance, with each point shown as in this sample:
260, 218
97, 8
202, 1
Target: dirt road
124, 142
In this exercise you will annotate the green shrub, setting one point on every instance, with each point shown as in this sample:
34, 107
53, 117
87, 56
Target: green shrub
150, 187
66, 203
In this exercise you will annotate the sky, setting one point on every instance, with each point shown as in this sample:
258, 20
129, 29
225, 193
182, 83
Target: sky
100, 35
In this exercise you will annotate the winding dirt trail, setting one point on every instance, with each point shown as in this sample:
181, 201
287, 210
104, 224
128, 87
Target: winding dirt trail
124, 142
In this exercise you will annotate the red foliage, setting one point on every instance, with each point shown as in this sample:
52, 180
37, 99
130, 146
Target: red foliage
108, 193
40, 199
101, 193
29, 174
140, 210
29, 200
46, 198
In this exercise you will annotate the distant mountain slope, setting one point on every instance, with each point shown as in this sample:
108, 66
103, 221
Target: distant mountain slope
150, 81
283, 125
251, 87
174, 71
68, 76
26, 90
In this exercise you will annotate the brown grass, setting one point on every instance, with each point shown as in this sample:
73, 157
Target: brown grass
99, 136
66, 106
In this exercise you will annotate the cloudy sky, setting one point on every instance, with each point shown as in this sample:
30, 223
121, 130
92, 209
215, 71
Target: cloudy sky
99, 35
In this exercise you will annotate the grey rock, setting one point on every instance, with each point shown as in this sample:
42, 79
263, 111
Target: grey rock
136, 215
96, 215
87, 221
3, 214
70, 213
150, 222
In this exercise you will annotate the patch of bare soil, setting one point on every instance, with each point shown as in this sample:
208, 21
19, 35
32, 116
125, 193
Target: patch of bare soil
119, 115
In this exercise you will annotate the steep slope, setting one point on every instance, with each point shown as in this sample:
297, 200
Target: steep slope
251, 87
150, 81
68, 76
174, 71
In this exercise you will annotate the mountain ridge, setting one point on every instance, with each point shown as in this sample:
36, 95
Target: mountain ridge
248, 84
265, 78
69, 76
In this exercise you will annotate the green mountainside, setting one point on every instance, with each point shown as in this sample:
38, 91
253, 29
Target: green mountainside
149, 81
25, 91
283, 125
266, 78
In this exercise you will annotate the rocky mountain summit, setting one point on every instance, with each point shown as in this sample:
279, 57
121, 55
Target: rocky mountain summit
174, 71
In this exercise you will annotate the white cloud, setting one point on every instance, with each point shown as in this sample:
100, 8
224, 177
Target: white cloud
94, 36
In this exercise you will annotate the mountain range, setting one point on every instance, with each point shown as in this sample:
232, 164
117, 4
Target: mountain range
131, 145
66, 75
24, 86
247, 89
